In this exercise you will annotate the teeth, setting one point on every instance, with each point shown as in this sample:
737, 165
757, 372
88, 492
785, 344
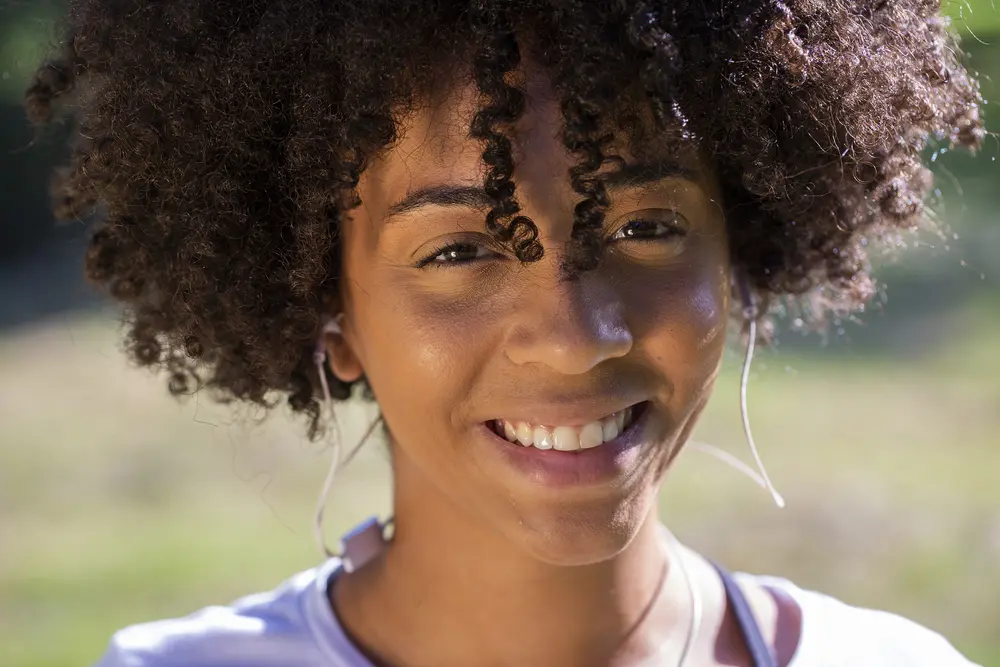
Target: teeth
592, 435
509, 432
543, 438
566, 438
609, 429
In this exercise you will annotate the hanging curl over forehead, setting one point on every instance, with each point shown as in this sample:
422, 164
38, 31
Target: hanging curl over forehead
222, 141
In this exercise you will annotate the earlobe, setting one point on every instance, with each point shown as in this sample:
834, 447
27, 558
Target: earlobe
343, 362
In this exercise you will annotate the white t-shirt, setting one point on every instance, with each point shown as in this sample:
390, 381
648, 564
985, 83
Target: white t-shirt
294, 626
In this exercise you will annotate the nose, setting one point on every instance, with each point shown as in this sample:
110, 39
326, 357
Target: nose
570, 326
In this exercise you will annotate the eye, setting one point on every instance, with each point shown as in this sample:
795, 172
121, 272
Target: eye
455, 254
669, 226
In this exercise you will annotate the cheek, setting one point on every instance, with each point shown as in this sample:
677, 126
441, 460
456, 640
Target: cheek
709, 307
681, 317
418, 349
421, 354
445, 344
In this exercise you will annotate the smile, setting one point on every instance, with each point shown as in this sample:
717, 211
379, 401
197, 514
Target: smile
568, 438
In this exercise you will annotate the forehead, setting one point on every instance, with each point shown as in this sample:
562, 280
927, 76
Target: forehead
434, 146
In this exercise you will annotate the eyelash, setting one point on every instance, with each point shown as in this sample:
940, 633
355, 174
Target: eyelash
673, 229
428, 261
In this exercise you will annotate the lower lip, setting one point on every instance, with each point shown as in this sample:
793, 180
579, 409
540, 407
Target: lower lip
605, 463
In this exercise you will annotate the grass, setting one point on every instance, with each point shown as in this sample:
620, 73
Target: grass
118, 505
981, 17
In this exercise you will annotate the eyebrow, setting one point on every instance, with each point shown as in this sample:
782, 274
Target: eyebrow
632, 175
640, 174
442, 195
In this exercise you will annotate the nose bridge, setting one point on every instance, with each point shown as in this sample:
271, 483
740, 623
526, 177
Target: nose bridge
570, 325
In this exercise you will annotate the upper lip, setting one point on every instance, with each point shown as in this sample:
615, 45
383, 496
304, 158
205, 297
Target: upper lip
565, 413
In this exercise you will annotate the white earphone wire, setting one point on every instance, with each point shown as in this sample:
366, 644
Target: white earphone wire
326, 415
760, 478
694, 597
729, 460
750, 314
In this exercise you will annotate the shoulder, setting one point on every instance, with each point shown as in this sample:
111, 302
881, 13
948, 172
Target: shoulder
260, 630
836, 634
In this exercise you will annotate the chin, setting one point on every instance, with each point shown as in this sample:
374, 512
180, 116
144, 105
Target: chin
574, 536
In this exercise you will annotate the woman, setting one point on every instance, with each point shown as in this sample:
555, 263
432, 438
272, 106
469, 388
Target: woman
523, 229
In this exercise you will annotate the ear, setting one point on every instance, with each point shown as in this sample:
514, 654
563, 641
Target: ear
340, 354
741, 288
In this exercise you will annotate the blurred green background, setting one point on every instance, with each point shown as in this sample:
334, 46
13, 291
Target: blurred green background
119, 505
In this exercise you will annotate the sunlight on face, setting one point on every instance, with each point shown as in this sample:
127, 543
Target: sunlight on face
453, 333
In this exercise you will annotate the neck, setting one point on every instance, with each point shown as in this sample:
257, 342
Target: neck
446, 573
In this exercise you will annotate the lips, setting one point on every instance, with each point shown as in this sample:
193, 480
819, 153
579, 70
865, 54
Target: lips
560, 464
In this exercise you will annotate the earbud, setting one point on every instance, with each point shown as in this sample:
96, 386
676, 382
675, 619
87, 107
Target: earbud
332, 325
746, 298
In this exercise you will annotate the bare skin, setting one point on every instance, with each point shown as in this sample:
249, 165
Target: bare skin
492, 564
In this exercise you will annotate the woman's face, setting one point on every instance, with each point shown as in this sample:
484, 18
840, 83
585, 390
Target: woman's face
460, 342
